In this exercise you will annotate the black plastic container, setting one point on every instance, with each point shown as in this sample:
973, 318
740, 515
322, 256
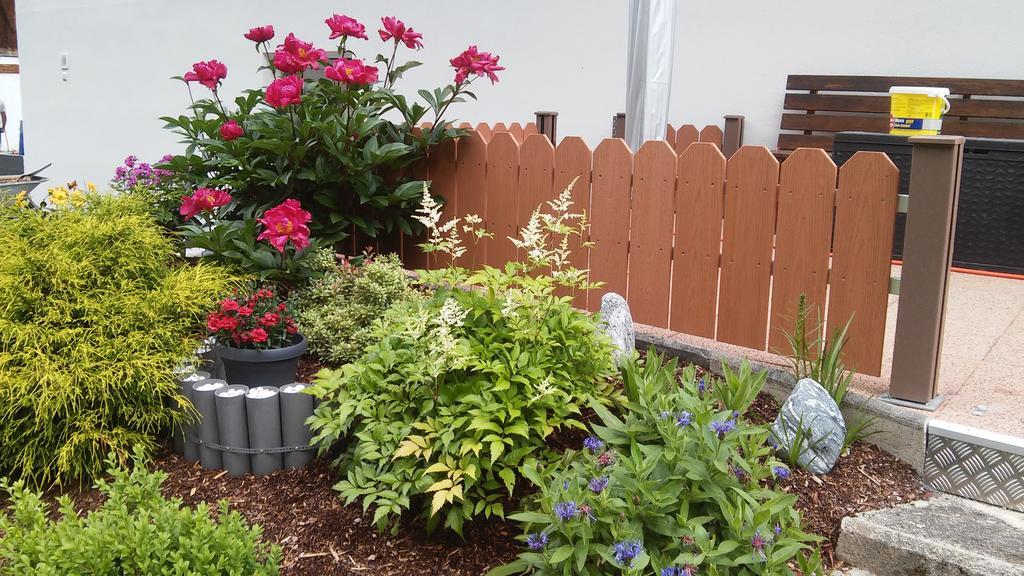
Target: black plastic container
989, 234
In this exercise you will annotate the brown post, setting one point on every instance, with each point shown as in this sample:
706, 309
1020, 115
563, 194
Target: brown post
547, 124
619, 125
733, 138
927, 256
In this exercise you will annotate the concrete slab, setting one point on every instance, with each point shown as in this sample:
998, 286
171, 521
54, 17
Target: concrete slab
938, 537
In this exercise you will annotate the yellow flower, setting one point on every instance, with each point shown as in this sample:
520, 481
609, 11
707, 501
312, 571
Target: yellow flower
90, 186
21, 200
77, 198
58, 196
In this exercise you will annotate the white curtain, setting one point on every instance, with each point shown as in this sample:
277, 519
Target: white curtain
649, 69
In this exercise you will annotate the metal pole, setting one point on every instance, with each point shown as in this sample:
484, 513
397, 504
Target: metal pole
263, 412
233, 427
732, 138
935, 171
202, 397
296, 407
547, 124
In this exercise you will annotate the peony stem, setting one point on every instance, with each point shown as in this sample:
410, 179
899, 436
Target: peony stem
394, 52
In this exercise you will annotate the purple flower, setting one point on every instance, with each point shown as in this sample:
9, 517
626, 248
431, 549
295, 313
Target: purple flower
740, 473
537, 541
605, 459
683, 419
700, 387
565, 511
758, 543
723, 428
781, 472
777, 529
626, 551
665, 414
597, 485
593, 443
735, 414
688, 570
565, 485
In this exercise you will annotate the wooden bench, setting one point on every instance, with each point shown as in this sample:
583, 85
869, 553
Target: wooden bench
816, 107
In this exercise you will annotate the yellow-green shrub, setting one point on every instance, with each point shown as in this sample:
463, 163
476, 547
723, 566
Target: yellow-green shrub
94, 315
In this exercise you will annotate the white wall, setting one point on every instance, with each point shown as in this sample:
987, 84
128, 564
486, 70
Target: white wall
732, 57
123, 53
10, 93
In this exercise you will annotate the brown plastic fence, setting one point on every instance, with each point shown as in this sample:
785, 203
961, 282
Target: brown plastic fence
698, 244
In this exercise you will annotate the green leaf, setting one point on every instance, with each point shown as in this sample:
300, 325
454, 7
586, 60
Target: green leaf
561, 554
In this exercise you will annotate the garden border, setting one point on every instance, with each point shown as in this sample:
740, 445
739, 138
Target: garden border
900, 432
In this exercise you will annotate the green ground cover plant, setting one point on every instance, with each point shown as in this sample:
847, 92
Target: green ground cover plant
461, 388
681, 484
95, 312
135, 531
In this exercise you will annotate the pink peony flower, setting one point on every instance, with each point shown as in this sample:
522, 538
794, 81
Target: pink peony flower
208, 73
284, 92
286, 222
231, 130
260, 33
203, 200
395, 28
472, 61
345, 26
351, 71
295, 56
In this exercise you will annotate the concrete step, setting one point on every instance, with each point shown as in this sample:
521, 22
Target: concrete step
939, 537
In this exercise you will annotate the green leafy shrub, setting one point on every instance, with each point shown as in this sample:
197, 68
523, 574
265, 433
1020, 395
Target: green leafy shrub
135, 531
94, 315
336, 313
680, 485
462, 387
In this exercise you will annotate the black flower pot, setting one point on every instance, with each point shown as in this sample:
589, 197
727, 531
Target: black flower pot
252, 368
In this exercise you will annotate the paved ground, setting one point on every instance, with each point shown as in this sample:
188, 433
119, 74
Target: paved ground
982, 369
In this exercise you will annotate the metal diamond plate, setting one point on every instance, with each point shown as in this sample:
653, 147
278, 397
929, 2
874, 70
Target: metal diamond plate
975, 472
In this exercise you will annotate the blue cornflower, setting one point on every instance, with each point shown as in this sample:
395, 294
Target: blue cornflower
665, 414
537, 541
626, 551
701, 387
758, 543
565, 485
565, 510
777, 529
597, 485
781, 472
688, 570
593, 443
735, 414
723, 428
683, 419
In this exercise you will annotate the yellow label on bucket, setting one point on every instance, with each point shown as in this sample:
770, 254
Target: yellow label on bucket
917, 111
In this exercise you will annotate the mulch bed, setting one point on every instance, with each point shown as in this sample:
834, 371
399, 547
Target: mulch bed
299, 510
868, 478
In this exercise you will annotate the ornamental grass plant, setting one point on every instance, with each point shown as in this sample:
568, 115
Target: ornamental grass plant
95, 313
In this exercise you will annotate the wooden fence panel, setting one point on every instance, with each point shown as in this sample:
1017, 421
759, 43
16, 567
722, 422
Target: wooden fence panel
485, 131
536, 176
650, 242
516, 130
803, 239
413, 258
685, 135
712, 134
471, 172
698, 207
861, 256
502, 186
752, 177
609, 230
572, 161
530, 128
670, 136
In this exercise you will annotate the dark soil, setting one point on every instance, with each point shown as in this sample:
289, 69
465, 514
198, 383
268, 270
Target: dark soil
299, 510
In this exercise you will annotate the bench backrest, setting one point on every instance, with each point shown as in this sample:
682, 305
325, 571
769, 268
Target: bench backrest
819, 106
